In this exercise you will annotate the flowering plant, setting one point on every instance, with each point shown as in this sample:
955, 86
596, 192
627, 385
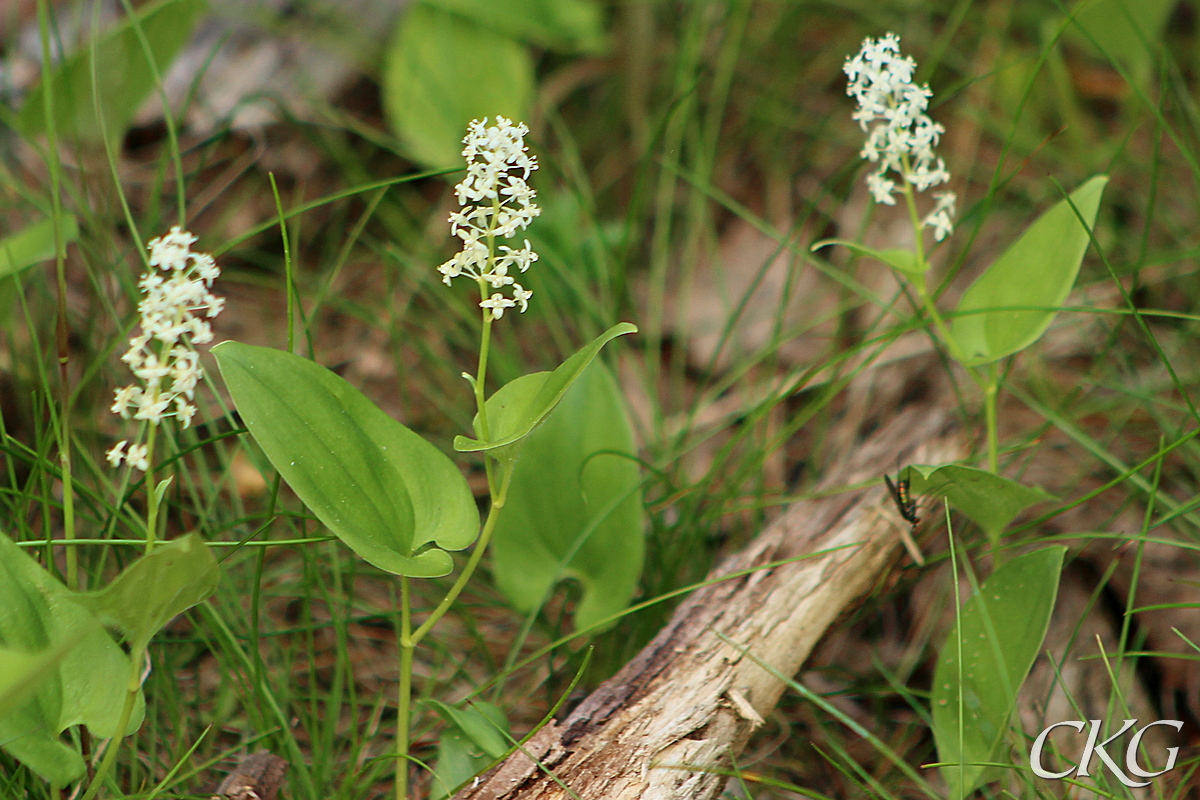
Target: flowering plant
1035, 274
400, 503
1007, 308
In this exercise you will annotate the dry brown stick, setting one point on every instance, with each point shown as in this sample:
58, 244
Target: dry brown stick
689, 701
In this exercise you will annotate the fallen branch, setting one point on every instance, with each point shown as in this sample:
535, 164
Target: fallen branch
670, 720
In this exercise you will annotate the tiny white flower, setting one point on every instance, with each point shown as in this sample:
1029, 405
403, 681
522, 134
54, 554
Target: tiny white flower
881, 189
941, 218
116, 453
138, 457
891, 110
497, 303
497, 202
521, 295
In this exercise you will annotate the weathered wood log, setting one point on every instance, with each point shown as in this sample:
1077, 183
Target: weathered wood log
663, 725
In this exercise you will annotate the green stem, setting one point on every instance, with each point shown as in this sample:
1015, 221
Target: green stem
110, 755
408, 638
990, 390
910, 202
938, 322
151, 490
404, 695
68, 492
485, 343
489, 525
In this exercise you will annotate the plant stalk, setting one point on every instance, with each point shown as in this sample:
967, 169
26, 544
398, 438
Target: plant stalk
151, 490
485, 536
110, 755
990, 391
404, 694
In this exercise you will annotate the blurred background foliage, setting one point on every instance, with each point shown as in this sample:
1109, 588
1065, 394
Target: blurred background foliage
691, 151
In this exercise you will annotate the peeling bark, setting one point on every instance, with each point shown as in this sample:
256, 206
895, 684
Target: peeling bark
682, 707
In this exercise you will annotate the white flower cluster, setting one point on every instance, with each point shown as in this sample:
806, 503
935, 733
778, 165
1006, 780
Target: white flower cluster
497, 201
175, 309
904, 136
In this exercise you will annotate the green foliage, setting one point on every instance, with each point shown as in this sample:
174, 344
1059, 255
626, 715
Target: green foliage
1128, 31
1037, 271
574, 507
86, 677
565, 25
151, 591
1000, 631
477, 736
900, 260
21, 672
521, 405
482, 723
443, 71
33, 244
382, 489
990, 500
123, 75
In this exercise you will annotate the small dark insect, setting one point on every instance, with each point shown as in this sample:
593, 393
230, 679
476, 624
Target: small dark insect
905, 504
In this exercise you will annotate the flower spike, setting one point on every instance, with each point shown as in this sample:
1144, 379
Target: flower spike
175, 310
497, 201
900, 135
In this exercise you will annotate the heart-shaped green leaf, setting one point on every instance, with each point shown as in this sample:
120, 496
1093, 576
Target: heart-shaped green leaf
442, 71
86, 673
1036, 272
522, 404
156, 588
574, 506
458, 761
382, 489
900, 260
477, 736
1002, 628
990, 500
123, 74
481, 722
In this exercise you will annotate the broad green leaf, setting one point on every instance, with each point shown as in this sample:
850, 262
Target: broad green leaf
574, 506
156, 588
482, 723
1002, 628
21, 672
33, 245
990, 500
1129, 31
442, 71
123, 75
1037, 271
522, 404
39, 617
476, 738
382, 489
564, 25
900, 260
458, 760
